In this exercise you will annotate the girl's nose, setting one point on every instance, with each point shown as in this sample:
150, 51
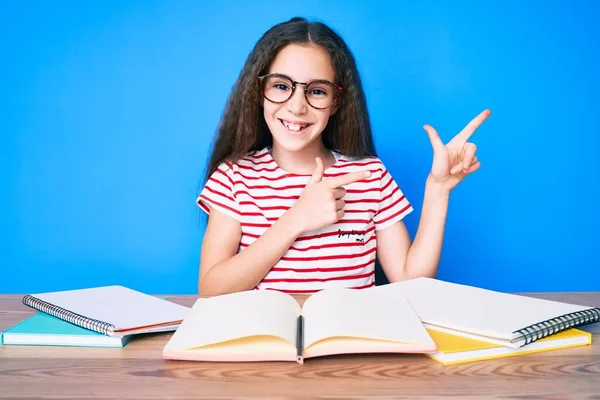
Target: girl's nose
297, 103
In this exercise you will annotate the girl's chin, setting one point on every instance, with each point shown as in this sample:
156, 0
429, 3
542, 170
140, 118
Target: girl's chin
292, 144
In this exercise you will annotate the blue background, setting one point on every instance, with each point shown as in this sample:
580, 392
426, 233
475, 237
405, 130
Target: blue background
107, 111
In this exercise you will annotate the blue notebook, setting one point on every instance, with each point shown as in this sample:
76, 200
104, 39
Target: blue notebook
45, 330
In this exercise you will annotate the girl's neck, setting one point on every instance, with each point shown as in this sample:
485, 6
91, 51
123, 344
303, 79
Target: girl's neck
302, 162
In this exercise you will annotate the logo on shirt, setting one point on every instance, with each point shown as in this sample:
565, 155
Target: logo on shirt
360, 234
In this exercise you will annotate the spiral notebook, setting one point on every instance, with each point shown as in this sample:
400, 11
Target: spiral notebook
507, 319
110, 310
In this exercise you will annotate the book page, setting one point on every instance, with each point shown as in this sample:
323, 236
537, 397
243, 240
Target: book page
365, 314
219, 319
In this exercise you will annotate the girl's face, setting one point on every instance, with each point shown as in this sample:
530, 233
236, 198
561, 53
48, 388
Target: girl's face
295, 124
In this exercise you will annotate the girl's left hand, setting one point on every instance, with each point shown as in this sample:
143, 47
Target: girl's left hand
454, 161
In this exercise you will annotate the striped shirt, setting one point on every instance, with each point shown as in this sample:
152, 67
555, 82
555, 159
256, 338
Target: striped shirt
256, 192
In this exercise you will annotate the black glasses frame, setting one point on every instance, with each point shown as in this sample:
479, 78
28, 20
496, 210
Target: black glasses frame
294, 84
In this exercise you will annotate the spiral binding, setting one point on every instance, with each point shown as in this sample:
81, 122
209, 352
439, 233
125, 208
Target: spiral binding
69, 316
549, 327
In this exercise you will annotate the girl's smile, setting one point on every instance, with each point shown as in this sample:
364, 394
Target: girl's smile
295, 127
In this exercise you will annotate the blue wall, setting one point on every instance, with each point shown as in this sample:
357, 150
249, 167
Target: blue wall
107, 110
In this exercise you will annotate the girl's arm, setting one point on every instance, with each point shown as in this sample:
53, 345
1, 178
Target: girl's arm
402, 260
224, 270
451, 164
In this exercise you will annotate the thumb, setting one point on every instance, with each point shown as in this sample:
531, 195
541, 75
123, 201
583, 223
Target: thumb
318, 172
436, 142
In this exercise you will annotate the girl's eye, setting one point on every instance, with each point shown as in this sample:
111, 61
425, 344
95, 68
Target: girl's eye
318, 92
281, 86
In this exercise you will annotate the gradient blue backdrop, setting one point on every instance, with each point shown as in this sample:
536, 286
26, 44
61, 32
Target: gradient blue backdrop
108, 108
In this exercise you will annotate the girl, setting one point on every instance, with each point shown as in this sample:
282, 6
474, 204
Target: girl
296, 197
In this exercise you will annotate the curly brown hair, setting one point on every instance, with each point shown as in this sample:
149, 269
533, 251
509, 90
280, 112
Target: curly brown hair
243, 129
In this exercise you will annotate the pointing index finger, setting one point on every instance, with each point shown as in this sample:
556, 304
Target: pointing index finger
347, 179
468, 130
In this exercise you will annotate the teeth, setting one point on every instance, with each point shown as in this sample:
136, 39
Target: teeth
294, 127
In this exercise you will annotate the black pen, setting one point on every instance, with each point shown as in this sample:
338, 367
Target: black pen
300, 339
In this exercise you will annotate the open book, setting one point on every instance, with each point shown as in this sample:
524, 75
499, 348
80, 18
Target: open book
265, 325
503, 318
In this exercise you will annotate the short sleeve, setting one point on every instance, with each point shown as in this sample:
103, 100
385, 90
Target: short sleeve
393, 204
218, 193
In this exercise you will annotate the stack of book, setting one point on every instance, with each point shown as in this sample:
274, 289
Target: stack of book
107, 316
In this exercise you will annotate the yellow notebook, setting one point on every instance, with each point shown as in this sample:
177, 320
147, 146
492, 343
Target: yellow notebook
453, 349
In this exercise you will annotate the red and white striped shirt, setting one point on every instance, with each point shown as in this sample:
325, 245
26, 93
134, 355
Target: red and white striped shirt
256, 192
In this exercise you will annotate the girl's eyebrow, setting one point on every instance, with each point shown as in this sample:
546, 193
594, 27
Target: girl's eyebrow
310, 80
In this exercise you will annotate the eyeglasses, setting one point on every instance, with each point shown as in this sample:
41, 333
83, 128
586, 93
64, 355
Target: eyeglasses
278, 88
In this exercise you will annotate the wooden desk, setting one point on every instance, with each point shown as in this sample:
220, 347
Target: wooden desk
137, 371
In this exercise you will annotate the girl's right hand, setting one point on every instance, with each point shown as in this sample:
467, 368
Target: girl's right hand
321, 202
